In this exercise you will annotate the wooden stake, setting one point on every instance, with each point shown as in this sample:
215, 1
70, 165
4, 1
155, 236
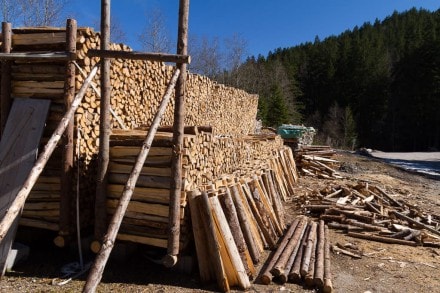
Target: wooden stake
67, 156
97, 269
104, 127
178, 133
19, 201
5, 104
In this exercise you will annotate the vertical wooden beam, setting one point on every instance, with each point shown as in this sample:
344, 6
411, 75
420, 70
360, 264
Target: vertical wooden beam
67, 159
178, 132
104, 127
5, 105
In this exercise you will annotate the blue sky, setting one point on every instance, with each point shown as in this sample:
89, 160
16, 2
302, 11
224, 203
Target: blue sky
264, 24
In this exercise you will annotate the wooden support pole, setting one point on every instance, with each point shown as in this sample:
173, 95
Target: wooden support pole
104, 128
67, 156
295, 274
178, 133
97, 269
20, 199
5, 104
308, 250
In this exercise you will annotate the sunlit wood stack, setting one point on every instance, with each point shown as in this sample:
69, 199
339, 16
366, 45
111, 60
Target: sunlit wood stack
256, 164
137, 87
317, 161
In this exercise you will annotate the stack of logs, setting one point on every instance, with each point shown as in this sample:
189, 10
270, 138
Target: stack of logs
208, 161
368, 211
302, 255
233, 223
317, 161
46, 80
137, 87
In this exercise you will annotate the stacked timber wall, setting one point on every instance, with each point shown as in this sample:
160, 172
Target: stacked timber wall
137, 87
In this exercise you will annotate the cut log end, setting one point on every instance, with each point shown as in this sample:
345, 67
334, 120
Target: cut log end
60, 241
95, 246
169, 261
266, 279
328, 286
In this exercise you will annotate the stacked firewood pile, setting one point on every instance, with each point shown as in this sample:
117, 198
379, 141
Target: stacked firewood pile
370, 212
209, 162
317, 161
302, 255
137, 87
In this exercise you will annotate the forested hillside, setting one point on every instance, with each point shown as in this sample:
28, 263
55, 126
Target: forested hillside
377, 85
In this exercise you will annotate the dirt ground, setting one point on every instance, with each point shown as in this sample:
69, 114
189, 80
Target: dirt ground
388, 268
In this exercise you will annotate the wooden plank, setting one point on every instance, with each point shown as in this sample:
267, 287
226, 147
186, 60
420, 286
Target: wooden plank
39, 38
18, 152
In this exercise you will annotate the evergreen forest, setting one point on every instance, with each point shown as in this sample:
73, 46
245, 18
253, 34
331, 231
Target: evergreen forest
376, 86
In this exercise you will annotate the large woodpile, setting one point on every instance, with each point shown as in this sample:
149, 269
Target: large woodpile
210, 162
137, 87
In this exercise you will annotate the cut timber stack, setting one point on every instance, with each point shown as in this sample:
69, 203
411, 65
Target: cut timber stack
317, 161
137, 87
370, 212
209, 162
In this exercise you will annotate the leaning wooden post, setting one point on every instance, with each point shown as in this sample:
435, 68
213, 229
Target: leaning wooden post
104, 128
23, 193
5, 104
97, 269
178, 133
67, 161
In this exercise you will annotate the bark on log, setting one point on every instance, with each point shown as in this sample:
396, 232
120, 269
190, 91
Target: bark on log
328, 286
266, 276
295, 274
234, 224
382, 239
308, 251
245, 225
320, 256
178, 133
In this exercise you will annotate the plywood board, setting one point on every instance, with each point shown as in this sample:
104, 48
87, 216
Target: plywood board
18, 152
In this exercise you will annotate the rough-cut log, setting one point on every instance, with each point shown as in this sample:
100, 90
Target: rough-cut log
295, 274
234, 224
213, 243
97, 269
266, 276
320, 256
308, 251
5, 94
284, 276
19, 201
328, 286
200, 239
178, 133
67, 169
381, 239
245, 225
237, 268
